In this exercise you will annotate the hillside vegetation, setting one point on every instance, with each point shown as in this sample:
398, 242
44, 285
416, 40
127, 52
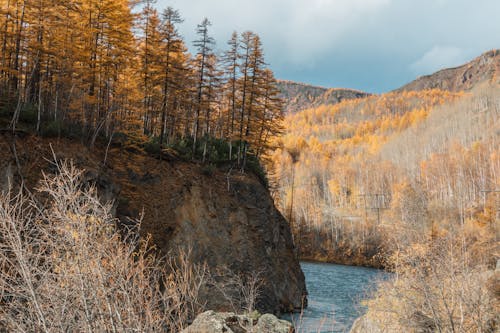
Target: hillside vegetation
117, 71
354, 176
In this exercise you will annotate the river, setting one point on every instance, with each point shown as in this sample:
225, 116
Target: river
335, 292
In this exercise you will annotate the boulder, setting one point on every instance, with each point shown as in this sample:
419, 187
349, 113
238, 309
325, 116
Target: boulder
229, 322
268, 323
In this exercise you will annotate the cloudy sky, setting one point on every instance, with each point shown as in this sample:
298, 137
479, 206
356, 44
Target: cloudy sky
371, 45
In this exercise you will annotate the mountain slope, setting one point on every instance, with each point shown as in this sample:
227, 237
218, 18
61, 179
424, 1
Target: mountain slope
485, 68
301, 96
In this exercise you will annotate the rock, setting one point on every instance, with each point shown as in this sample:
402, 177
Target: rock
229, 322
213, 322
268, 323
107, 188
238, 229
482, 69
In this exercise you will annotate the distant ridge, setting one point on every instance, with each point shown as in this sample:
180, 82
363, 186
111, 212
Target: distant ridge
485, 68
300, 96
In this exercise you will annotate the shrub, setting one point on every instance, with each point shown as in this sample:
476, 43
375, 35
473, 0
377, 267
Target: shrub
208, 169
152, 146
440, 286
65, 267
29, 114
53, 129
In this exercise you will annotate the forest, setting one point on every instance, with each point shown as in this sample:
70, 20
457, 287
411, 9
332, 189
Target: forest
120, 73
420, 160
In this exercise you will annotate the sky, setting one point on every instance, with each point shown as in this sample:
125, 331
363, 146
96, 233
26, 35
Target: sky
370, 45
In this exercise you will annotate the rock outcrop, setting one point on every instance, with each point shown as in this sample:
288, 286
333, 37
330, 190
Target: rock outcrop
229, 322
228, 219
485, 68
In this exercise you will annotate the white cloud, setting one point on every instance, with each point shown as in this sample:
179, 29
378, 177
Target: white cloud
375, 45
437, 58
298, 29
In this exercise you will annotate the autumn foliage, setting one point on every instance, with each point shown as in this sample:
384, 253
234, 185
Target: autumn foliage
353, 173
118, 71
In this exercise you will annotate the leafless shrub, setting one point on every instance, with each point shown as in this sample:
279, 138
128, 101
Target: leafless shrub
64, 267
185, 283
241, 291
437, 288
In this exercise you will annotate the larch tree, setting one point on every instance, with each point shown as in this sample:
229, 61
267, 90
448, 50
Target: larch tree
149, 44
91, 68
172, 61
231, 60
204, 45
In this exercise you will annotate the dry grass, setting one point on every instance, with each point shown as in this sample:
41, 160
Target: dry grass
440, 285
65, 267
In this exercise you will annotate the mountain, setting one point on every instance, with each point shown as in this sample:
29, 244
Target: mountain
485, 68
301, 96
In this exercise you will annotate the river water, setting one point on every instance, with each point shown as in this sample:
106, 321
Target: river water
335, 293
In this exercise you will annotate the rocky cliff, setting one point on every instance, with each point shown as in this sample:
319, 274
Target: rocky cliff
485, 68
228, 219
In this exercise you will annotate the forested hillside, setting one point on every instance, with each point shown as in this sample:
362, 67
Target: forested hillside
354, 175
104, 70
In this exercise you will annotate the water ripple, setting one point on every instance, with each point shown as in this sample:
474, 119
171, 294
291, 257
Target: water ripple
335, 292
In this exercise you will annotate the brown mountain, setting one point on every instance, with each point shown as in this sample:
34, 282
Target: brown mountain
485, 68
301, 96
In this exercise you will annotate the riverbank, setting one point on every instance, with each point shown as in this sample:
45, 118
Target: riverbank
343, 261
346, 257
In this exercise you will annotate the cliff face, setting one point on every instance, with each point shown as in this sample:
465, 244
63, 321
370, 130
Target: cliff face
240, 229
485, 68
228, 219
